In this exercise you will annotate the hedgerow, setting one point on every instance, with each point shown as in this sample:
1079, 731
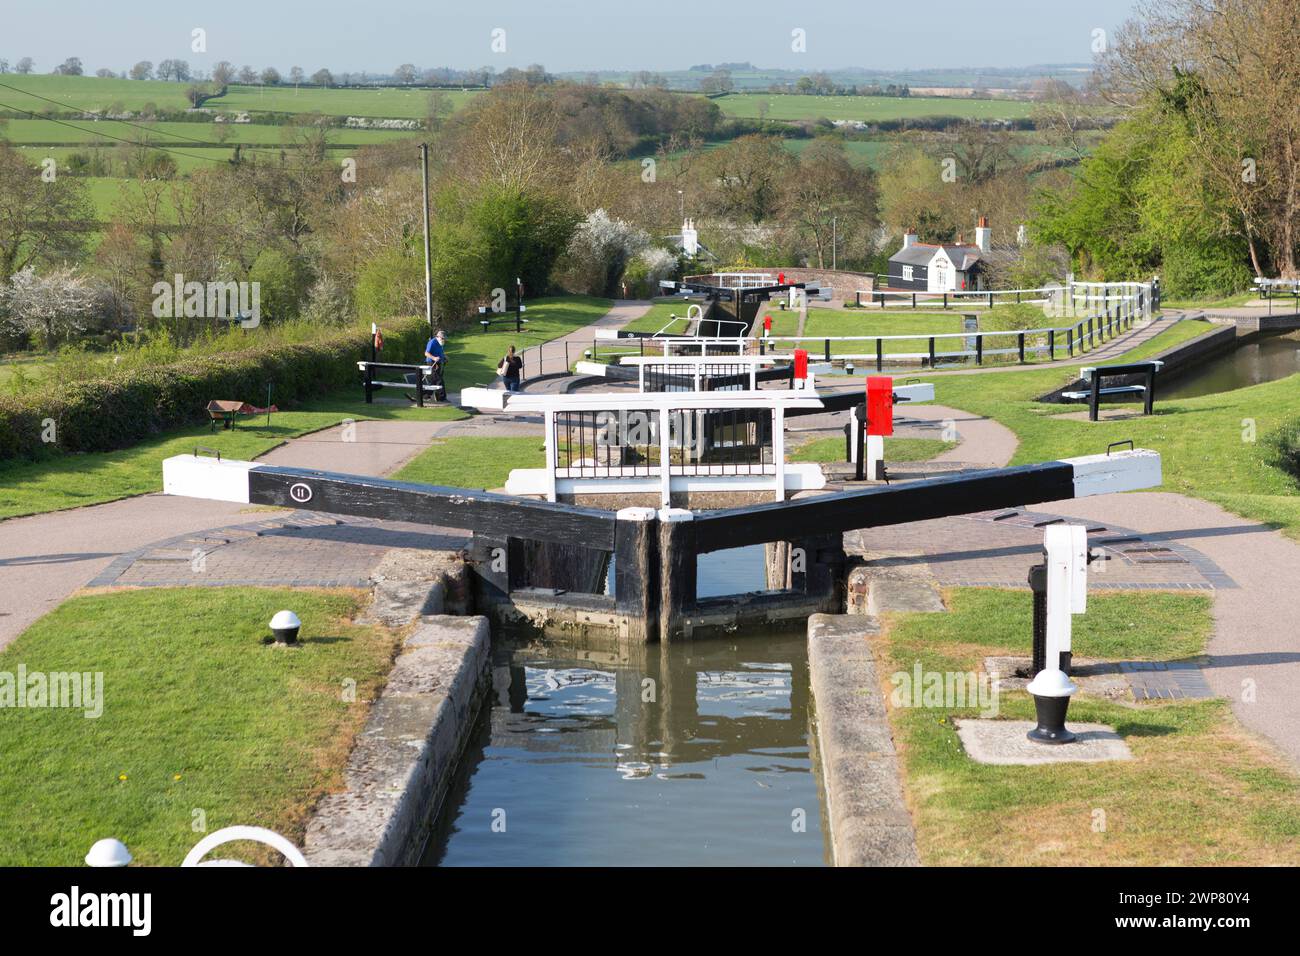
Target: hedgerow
116, 411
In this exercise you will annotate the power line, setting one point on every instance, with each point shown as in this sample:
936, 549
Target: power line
206, 142
82, 129
250, 147
253, 147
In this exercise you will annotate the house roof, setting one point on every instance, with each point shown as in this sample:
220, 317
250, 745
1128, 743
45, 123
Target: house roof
963, 256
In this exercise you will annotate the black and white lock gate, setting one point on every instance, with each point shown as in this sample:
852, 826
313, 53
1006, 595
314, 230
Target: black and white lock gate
654, 550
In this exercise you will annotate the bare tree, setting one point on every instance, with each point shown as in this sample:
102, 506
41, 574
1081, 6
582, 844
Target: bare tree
142, 71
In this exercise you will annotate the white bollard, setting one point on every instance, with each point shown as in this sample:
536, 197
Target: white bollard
108, 853
1066, 546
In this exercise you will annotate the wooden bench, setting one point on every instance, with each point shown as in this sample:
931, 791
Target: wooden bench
416, 372
1097, 392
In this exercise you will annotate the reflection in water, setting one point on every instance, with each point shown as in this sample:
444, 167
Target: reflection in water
1263, 360
692, 753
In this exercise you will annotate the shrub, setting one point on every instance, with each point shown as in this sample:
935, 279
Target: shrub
116, 411
1282, 448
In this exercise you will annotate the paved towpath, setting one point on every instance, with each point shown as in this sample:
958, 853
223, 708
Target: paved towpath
44, 558
549, 358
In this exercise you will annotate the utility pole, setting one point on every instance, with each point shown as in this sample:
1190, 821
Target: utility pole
428, 265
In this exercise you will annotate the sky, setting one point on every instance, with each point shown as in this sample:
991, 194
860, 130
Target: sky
562, 35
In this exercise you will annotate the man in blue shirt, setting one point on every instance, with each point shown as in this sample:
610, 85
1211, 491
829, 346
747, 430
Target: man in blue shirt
433, 349
436, 355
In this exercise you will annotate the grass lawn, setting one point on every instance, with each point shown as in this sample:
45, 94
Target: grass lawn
832, 323
660, 316
1200, 791
896, 449
469, 462
70, 481
1209, 446
472, 355
198, 715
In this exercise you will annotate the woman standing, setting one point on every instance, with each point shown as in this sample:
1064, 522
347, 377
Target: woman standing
512, 370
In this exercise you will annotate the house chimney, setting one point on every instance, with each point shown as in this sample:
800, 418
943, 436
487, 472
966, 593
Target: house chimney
983, 234
690, 238
909, 237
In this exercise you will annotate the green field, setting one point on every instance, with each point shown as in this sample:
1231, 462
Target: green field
93, 93
391, 102
88, 93
179, 135
868, 109
872, 152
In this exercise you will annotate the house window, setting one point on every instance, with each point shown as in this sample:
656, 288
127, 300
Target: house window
907, 273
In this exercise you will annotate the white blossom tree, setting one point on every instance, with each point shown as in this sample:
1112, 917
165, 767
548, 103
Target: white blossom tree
55, 307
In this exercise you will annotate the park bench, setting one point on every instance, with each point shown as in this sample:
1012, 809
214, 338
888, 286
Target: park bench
413, 376
1096, 375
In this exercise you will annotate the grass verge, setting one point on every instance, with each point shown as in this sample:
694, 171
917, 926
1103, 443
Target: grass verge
198, 715
472, 355
469, 462
1199, 790
71, 481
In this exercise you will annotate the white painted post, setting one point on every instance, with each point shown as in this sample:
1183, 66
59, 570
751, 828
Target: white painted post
552, 453
855, 429
778, 449
875, 457
665, 460
1067, 592
640, 378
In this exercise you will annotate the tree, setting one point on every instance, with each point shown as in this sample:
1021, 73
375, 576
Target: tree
177, 70
746, 177
32, 214
405, 74
500, 234
296, 75
142, 71
104, 73
222, 74
4, 65
829, 199
1227, 71
440, 108
270, 76
323, 77
56, 306
24, 65
69, 67
247, 76
599, 253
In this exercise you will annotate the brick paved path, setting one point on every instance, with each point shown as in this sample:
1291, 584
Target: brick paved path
301, 549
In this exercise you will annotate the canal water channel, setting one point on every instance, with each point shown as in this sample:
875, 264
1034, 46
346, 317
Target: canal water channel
694, 753
1262, 359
